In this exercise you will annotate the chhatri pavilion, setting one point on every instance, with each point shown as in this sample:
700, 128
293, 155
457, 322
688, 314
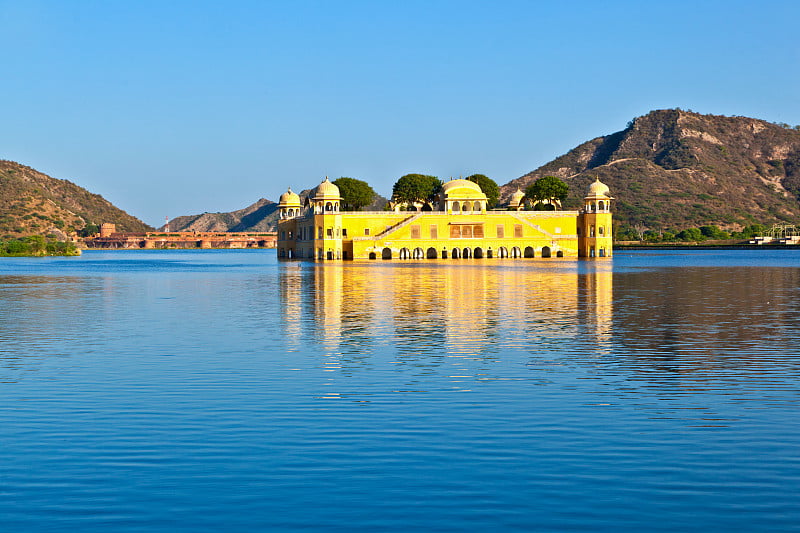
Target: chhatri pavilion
457, 226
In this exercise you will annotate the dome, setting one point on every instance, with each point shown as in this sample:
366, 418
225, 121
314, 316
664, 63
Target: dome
326, 189
516, 198
598, 188
289, 198
461, 184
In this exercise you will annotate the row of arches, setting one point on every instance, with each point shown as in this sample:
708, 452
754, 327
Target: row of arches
466, 206
466, 253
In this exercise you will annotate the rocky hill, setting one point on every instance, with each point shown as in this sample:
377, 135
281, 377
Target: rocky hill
34, 203
679, 169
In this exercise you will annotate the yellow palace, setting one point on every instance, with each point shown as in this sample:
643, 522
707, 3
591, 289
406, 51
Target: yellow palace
457, 226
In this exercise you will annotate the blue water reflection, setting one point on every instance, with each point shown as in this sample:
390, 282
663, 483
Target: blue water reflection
222, 390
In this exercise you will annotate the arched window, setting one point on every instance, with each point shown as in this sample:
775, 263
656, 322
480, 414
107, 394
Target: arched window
529, 251
591, 230
601, 206
477, 206
546, 251
465, 207
600, 230
372, 255
456, 254
456, 207
431, 254
328, 206
477, 253
386, 253
466, 253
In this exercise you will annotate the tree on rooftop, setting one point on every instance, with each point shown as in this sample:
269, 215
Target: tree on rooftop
547, 190
489, 188
355, 193
416, 188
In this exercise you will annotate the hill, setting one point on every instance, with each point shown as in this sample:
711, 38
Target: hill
679, 169
34, 203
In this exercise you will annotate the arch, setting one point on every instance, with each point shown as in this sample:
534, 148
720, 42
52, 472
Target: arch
489, 253
476, 206
405, 253
336, 206
602, 252
546, 252
431, 254
591, 251
329, 206
502, 252
291, 253
426, 207
466, 206
516, 252
456, 207
591, 230
600, 230
456, 253
529, 251
444, 254
466, 253
411, 208
329, 255
372, 255
419, 253
386, 253
560, 253
601, 206
477, 253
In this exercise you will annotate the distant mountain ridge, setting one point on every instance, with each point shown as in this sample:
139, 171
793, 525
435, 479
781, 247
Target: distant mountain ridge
32, 202
675, 168
260, 216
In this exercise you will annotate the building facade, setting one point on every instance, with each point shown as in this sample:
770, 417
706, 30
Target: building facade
457, 226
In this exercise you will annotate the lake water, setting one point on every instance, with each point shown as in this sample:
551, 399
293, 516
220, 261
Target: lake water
219, 390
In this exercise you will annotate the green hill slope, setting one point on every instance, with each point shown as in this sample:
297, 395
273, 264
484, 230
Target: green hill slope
678, 169
33, 203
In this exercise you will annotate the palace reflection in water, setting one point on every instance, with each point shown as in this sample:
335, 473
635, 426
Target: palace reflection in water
470, 310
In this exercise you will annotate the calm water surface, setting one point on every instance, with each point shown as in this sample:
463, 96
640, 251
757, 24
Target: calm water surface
203, 391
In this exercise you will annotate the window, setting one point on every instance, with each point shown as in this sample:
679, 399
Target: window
319, 236
366, 231
517, 231
501, 231
434, 231
600, 231
415, 232
591, 231
466, 231
344, 234
330, 233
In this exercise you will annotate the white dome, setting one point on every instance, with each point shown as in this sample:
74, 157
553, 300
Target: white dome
289, 198
327, 190
598, 188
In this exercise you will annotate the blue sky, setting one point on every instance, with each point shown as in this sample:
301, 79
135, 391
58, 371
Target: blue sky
173, 108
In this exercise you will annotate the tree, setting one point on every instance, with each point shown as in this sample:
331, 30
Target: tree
355, 193
548, 189
489, 188
416, 188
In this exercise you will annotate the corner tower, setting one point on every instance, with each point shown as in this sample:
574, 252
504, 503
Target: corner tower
594, 222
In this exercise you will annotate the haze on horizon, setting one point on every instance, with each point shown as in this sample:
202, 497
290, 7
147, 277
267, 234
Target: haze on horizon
170, 109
